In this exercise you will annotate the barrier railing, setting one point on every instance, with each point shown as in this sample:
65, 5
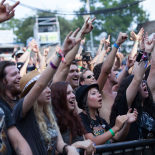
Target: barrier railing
137, 147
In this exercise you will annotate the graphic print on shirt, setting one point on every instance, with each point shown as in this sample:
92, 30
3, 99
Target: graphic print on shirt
3, 137
98, 130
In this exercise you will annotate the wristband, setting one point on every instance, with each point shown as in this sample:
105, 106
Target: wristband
112, 132
115, 45
53, 66
28, 50
64, 149
80, 67
126, 68
81, 46
58, 55
62, 56
139, 56
137, 41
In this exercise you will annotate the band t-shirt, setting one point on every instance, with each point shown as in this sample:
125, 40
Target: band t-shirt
98, 129
6, 121
29, 128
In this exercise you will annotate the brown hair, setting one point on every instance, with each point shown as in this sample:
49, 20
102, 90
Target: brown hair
81, 76
71, 119
3, 65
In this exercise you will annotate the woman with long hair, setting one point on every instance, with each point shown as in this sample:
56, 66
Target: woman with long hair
97, 129
135, 93
71, 128
33, 114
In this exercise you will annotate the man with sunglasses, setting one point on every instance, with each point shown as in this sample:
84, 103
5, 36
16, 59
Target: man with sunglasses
87, 77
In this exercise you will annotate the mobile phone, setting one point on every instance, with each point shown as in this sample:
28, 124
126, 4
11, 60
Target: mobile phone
151, 36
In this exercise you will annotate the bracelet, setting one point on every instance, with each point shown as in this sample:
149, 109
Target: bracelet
62, 55
53, 66
112, 132
80, 67
58, 55
137, 41
126, 68
28, 50
115, 45
64, 149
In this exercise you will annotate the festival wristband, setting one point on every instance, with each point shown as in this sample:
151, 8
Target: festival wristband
137, 41
28, 50
126, 68
53, 66
64, 149
112, 132
80, 67
115, 45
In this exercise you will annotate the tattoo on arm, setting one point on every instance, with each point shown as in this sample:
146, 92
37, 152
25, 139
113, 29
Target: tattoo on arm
18, 151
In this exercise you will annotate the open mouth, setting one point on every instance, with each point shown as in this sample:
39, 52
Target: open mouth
72, 102
100, 101
76, 79
145, 90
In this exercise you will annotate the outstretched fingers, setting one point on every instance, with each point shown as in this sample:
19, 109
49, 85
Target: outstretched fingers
13, 6
2, 2
69, 34
93, 19
75, 32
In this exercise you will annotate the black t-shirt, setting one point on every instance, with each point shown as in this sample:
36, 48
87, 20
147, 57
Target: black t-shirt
135, 131
7, 105
98, 129
6, 121
29, 128
29, 68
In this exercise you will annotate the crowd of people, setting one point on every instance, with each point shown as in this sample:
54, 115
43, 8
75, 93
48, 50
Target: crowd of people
71, 101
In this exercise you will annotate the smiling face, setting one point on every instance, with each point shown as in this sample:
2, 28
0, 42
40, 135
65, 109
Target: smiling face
143, 90
94, 99
45, 96
12, 80
73, 76
70, 98
88, 78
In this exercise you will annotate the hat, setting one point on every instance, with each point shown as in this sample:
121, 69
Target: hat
27, 82
81, 92
19, 52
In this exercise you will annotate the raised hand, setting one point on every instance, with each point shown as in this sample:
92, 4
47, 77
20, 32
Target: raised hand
102, 41
83, 41
35, 48
32, 44
70, 41
121, 38
137, 37
132, 117
46, 51
87, 27
149, 44
107, 43
130, 61
120, 120
142, 44
7, 11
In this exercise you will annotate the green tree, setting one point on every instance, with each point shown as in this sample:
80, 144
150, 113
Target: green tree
114, 22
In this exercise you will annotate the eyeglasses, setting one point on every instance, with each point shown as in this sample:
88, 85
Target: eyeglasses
89, 76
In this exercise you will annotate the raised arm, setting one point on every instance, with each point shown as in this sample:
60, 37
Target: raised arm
129, 64
151, 77
63, 70
102, 53
100, 46
7, 11
106, 68
19, 144
26, 54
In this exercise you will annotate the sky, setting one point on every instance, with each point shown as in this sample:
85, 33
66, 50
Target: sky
66, 6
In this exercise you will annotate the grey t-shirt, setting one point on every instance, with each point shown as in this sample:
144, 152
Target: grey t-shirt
29, 128
66, 137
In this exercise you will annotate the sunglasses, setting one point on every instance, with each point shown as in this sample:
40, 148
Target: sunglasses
89, 76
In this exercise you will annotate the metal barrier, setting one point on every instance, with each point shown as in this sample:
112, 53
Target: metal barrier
137, 147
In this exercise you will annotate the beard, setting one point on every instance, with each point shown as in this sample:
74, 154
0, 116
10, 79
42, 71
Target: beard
16, 91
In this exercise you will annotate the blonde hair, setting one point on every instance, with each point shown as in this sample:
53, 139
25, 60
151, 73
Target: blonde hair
47, 109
